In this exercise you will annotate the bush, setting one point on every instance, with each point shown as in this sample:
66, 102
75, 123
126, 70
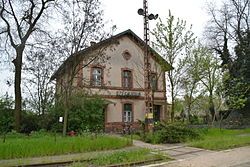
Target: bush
50, 120
86, 113
194, 119
172, 133
29, 122
6, 115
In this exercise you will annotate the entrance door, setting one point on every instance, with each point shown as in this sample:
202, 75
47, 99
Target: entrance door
157, 113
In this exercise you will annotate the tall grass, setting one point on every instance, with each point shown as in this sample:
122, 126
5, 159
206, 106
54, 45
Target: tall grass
48, 145
216, 139
123, 157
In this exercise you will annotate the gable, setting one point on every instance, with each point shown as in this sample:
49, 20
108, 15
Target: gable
136, 42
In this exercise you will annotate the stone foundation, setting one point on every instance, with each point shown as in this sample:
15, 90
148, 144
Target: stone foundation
121, 127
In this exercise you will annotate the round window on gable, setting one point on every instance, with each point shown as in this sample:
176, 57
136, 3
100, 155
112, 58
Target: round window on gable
126, 55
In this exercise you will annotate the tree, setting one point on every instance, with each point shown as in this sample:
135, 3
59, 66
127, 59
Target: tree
208, 73
238, 96
190, 81
80, 21
38, 68
83, 24
228, 28
66, 82
201, 77
19, 21
173, 40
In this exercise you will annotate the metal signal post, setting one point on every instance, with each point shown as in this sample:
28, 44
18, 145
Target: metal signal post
147, 69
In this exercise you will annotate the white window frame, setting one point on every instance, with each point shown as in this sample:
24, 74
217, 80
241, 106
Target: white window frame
127, 114
96, 76
127, 79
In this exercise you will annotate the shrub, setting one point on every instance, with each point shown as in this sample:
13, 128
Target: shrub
6, 115
172, 133
29, 122
194, 119
50, 120
86, 113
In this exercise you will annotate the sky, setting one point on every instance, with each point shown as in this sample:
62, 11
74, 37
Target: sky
123, 14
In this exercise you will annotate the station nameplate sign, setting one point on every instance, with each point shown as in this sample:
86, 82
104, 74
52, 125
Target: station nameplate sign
128, 94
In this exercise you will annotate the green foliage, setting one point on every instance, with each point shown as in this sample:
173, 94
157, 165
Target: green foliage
236, 97
207, 72
179, 105
29, 122
41, 133
50, 120
20, 146
6, 115
224, 24
86, 113
194, 120
14, 135
123, 158
216, 139
237, 78
172, 133
174, 39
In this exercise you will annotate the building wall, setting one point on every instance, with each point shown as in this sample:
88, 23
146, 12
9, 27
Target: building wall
115, 109
114, 65
112, 82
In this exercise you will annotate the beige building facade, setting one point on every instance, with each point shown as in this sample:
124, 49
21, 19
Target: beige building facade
114, 69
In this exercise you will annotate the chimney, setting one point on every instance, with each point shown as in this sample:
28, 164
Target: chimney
92, 43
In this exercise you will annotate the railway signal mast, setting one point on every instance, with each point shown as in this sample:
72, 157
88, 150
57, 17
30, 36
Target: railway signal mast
147, 68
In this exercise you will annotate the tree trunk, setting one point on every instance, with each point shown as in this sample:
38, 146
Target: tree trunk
189, 112
66, 113
65, 121
18, 93
190, 101
211, 107
173, 105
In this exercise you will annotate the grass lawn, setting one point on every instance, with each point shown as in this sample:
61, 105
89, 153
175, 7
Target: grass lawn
216, 139
123, 158
23, 146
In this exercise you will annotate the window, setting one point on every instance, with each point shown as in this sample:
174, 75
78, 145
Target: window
96, 76
126, 55
126, 79
157, 113
127, 112
153, 81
